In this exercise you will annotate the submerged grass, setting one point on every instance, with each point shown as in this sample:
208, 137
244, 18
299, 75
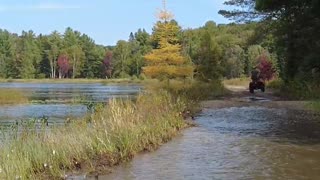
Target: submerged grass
12, 96
115, 133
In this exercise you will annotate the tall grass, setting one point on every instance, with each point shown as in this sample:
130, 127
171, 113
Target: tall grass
298, 90
114, 134
191, 91
12, 96
315, 105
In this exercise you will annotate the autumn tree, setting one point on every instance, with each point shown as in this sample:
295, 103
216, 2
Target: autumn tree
166, 60
265, 66
64, 67
107, 65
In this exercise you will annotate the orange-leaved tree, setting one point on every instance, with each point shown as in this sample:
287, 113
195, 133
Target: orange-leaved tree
166, 61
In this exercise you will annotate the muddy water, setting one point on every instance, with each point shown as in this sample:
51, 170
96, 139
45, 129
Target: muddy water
235, 143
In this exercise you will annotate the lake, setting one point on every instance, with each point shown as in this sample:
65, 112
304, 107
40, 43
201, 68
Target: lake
60, 101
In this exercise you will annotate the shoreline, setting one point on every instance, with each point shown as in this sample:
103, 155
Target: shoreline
106, 138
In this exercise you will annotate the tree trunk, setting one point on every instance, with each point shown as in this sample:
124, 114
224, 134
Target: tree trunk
74, 67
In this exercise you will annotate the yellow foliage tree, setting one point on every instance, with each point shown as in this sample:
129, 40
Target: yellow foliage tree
167, 60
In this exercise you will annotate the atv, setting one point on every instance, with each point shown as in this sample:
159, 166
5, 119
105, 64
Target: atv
255, 85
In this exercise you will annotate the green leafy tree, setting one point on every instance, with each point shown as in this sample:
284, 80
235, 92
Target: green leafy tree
30, 55
94, 55
55, 43
209, 57
121, 55
6, 54
75, 53
233, 62
295, 24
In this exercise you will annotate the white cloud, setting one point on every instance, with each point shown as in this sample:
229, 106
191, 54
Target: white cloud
53, 6
38, 7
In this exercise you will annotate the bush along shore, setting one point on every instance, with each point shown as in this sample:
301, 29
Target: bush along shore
109, 136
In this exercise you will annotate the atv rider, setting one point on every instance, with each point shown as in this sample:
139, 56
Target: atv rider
257, 81
255, 75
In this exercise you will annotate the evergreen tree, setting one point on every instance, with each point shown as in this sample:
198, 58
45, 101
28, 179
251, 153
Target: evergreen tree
167, 60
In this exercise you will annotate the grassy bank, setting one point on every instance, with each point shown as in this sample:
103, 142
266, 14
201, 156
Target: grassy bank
191, 91
12, 96
113, 134
295, 90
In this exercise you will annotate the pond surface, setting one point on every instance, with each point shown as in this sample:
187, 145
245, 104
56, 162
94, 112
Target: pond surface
59, 101
235, 143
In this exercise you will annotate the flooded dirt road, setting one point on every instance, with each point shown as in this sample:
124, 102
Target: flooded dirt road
239, 138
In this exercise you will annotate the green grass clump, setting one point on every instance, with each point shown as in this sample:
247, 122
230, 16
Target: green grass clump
300, 90
275, 84
113, 134
315, 105
12, 96
191, 91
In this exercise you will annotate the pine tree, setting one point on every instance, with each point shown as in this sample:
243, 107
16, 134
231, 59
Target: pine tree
167, 61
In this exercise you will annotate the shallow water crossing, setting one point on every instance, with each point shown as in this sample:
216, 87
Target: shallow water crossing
235, 143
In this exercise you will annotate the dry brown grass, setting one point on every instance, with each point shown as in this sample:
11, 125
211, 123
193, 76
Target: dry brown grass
12, 96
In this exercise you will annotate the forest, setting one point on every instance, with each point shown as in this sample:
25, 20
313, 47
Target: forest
281, 42
232, 52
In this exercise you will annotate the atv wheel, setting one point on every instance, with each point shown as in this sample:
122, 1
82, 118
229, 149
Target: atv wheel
251, 88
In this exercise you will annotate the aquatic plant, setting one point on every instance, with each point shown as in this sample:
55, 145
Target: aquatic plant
12, 96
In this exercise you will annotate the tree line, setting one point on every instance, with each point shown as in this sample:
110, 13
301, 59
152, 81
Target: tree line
294, 26
208, 52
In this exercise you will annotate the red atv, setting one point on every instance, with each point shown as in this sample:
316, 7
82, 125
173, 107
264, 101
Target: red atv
255, 85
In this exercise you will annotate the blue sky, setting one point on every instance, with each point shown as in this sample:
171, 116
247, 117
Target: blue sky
106, 21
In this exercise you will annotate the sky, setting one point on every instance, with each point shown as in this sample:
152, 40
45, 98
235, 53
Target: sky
106, 21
